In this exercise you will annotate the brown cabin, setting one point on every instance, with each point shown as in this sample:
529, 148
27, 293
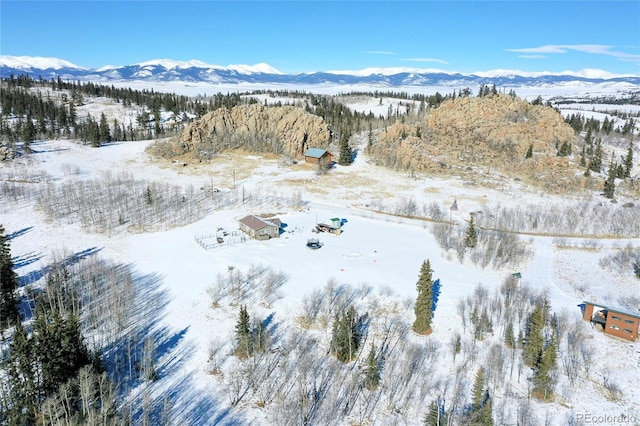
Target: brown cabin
616, 322
260, 228
318, 156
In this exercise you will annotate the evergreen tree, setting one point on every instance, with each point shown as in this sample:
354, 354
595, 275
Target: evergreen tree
509, 336
481, 408
346, 154
628, 161
8, 285
534, 340
564, 150
609, 184
471, 238
59, 347
595, 164
606, 126
23, 392
543, 377
588, 142
372, 372
243, 334
529, 153
103, 129
477, 392
436, 416
424, 302
92, 132
346, 335
583, 157
28, 134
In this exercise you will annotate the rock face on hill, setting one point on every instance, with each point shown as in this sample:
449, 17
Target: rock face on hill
493, 131
284, 130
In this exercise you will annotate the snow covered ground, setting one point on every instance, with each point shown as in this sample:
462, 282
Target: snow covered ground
380, 250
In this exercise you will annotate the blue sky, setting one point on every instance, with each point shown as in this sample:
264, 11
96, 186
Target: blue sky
302, 36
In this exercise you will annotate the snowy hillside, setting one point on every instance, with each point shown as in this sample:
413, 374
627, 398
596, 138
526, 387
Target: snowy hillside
376, 259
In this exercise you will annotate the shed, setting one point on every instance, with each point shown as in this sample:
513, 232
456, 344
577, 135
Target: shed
317, 156
614, 321
260, 228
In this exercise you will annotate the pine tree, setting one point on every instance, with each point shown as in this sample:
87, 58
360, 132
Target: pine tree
583, 157
372, 372
346, 335
534, 340
436, 416
564, 150
477, 392
605, 125
346, 154
8, 285
28, 132
509, 336
22, 378
610, 182
243, 334
424, 302
529, 153
595, 164
471, 239
628, 161
481, 402
543, 380
103, 129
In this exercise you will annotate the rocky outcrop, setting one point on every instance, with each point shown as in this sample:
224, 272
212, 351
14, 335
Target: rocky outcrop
284, 130
493, 132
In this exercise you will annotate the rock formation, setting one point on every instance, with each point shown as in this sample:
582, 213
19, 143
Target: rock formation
284, 130
493, 132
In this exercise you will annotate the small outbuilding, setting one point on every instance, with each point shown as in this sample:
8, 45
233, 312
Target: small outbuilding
260, 228
318, 156
613, 321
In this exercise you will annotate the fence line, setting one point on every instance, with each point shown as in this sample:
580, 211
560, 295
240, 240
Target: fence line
210, 241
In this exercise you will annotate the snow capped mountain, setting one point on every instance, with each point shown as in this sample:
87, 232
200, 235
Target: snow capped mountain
164, 70
33, 62
390, 71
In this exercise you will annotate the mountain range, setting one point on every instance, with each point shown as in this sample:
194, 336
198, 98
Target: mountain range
199, 72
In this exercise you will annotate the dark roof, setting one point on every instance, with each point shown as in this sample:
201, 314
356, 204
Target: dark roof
614, 310
256, 223
315, 152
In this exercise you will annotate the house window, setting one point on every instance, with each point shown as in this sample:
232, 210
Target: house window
628, 321
615, 318
626, 330
615, 327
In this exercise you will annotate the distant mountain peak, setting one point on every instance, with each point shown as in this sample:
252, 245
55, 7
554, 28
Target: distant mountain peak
262, 73
35, 62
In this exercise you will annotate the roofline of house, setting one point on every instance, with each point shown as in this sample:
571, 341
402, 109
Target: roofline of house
263, 221
614, 310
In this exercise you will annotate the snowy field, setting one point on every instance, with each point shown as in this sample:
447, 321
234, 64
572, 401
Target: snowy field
377, 250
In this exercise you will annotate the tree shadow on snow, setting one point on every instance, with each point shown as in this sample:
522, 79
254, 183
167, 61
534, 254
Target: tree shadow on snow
71, 260
18, 233
25, 260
